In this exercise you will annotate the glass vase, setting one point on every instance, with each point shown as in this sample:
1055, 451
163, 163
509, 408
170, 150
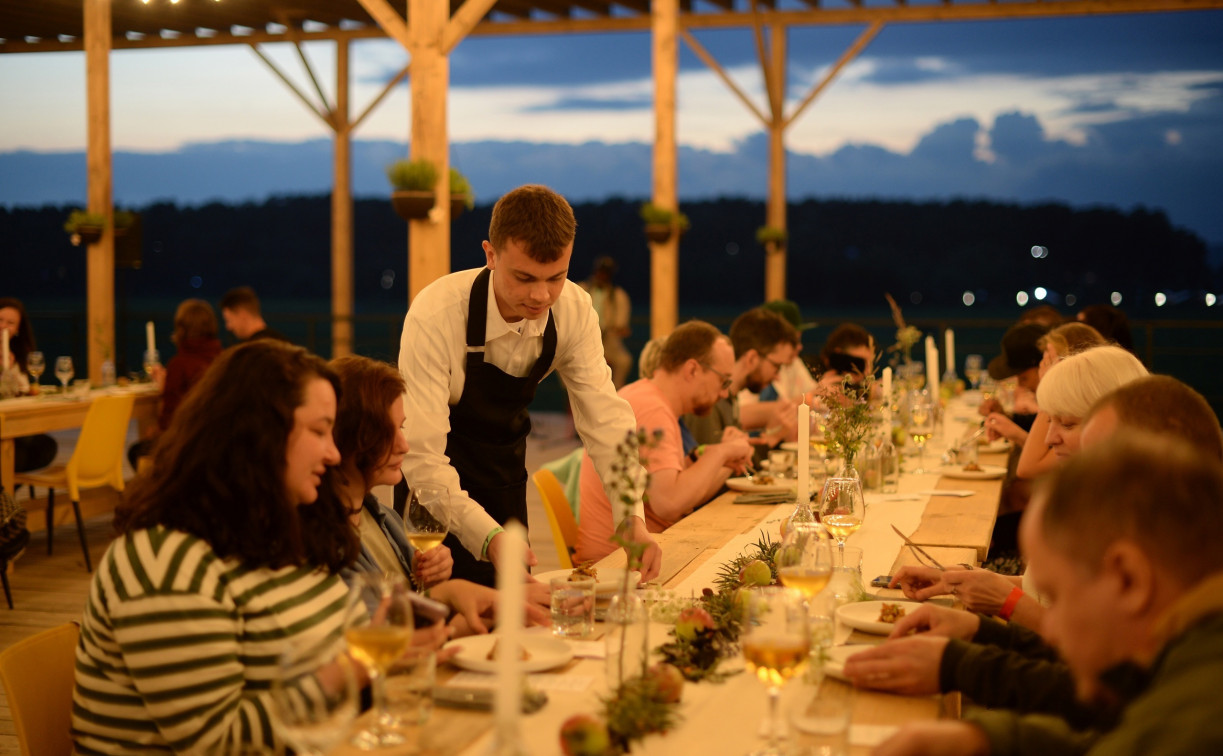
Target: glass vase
627, 638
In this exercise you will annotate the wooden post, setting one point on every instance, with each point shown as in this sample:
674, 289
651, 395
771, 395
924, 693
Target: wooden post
100, 256
775, 212
664, 256
429, 239
341, 212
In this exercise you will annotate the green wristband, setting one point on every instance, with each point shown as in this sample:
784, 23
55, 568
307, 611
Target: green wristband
489, 539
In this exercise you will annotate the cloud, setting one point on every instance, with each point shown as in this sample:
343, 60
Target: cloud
573, 102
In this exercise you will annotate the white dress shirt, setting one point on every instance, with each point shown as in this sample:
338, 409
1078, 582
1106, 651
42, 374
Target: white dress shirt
432, 359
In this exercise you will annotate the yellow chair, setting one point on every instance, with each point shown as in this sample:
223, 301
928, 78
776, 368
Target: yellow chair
560, 516
96, 461
38, 674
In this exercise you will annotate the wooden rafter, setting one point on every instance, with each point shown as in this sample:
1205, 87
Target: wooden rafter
392, 24
716, 67
852, 52
385, 91
324, 115
463, 21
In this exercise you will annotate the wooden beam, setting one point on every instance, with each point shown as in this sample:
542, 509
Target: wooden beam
716, 67
852, 52
389, 21
762, 55
323, 115
775, 211
385, 91
341, 213
100, 256
664, 256
429, 238
470, 13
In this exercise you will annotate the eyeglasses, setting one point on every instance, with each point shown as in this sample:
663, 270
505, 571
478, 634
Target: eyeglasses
773, 362
726, 380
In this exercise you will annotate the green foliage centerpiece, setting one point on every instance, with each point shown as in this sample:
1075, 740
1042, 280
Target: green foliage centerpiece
849, 415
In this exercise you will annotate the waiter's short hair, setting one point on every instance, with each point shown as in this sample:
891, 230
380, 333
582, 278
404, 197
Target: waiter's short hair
241, 298
691, 341
762, 330
1162, 404
537, 218
1153, 490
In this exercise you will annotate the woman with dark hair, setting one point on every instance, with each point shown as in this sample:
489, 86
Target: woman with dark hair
372, 445
30, 452
1111, 323
225, 556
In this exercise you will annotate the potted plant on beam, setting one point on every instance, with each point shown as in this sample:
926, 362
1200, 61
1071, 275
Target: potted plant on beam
85, 227
461, 196
412, 184
661, 222
772, 238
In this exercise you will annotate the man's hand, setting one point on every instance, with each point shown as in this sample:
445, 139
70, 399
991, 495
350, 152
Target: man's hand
651, 559
938, 620
433, 566
735, 454
935, 739
998, 425
979, 590
498, 542
907, 666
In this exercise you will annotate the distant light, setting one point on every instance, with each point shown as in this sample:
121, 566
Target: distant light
968, 299
1040, 252
732, 249
1040, 293
388, 278
1160, 299
1021, 298
1071, 300
196, 282
1115, 298
915, 297
1210, 299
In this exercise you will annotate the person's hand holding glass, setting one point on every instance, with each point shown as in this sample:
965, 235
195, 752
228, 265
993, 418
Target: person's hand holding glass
426, 522
776, 645
378, 639
921, 425
842, 509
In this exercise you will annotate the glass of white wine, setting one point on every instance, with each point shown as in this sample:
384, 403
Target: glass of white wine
64, 371
804, 559
426, 521
35, 365
842, 509
776, 644
315, 698
973, 366
378, 639
921, 425
152, 361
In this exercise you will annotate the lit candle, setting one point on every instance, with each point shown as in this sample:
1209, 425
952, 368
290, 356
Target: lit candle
887, 392
931, 366
148, 336
511, 592
949, 345
804, 453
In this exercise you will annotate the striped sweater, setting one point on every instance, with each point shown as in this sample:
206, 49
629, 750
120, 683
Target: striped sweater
179, 647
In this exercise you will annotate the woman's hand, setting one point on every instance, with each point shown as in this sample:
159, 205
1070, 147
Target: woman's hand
433, 566
920, 583
476, 605
998, 425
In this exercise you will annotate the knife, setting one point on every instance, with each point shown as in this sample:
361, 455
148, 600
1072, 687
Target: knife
918, 549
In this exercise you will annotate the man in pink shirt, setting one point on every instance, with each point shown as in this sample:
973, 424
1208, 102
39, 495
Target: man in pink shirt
694, 371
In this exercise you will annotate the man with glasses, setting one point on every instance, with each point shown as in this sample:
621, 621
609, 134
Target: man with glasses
763, 343
695, 370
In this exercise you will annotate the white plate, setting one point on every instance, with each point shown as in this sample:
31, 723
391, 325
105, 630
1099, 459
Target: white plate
745, 485
987, 472
864, 615
834, 665
793, 445
997, 446
611, 579
545, 652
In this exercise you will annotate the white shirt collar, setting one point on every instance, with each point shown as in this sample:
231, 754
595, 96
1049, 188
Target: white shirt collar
496, 326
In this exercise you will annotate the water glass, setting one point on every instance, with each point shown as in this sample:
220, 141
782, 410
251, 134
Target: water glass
152, 361
307, 715
824, 720
974, 364
409, 687
781, 462
573, 607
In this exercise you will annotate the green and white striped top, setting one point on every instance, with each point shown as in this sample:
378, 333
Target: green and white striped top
179, 647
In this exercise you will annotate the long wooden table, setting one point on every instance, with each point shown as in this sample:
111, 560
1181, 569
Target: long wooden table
723, 718
29, 416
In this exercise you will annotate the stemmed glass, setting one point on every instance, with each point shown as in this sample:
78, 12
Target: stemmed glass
378, 642
804, 559
152, 361
35, 365
64, 371
921, 425
842, 509
426, 521
973, 365
314, 704
777, 646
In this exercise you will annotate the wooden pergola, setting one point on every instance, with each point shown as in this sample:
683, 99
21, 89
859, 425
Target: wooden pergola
428, 30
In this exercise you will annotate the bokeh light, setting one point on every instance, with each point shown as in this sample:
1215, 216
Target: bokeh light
968, 298
1071, 300
1040, 293
1115, 298
1021, 298
1210, 299
1160, 299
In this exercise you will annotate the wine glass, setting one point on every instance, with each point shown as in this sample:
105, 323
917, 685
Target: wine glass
777, 646
804, 559
313, 703
378, 638
921, 425
64, 371
842, 509
35, 365
152, 361
973, 365
426, 520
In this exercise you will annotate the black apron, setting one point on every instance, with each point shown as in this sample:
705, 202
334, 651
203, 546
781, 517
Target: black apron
487, 443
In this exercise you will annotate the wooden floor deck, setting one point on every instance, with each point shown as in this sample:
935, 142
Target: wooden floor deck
49, 590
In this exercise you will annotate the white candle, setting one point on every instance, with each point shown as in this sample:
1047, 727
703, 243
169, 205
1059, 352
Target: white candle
931, 366
804, 453
887, 392
949, 345
148, 336
4, 350
511, 604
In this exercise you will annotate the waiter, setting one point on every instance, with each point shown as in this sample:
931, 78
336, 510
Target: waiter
475, 346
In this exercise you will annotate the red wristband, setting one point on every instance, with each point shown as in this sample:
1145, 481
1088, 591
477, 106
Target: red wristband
1012, 599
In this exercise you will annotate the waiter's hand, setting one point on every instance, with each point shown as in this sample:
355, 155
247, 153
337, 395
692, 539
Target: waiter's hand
651, 559
494, 551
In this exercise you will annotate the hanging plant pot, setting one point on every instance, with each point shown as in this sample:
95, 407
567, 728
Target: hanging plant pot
412, 205
458, 203
86, 235
658, 232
